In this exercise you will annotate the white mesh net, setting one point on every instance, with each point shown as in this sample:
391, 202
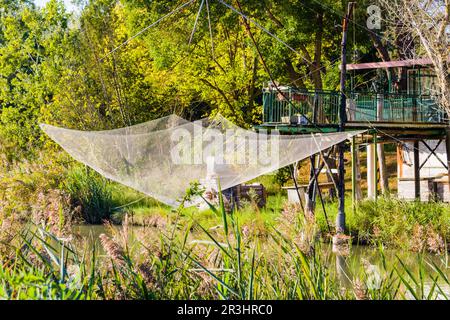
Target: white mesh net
162, 157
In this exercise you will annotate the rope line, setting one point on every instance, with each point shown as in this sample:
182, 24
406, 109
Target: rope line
196, 21
130, 203
210, 30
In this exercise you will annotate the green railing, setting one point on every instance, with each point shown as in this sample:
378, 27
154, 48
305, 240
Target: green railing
323, 106
394, 107
320, 105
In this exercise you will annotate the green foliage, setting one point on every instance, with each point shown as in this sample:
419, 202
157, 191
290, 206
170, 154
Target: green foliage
282, 176
24, 187
30, 47
59, 69
400, 223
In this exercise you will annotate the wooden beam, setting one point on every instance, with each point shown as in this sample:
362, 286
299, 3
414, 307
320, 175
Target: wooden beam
354, 172
371, 171
399, 161
432, 153
390, 64
375, 138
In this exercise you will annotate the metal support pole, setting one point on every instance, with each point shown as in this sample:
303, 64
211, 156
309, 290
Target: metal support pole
340, 218
375, 172
354, 173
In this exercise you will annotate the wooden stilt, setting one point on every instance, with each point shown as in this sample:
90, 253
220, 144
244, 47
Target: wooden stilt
294, 178
447, 144
358, 176
311, 190
340, 218
384, 183
416, 170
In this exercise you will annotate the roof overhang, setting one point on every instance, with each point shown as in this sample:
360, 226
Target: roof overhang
390, 64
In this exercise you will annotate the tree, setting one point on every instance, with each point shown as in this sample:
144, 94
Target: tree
428, 22
28, 37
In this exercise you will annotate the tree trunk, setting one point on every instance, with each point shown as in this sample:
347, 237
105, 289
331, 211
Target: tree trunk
381, 49
315, 67
295, 77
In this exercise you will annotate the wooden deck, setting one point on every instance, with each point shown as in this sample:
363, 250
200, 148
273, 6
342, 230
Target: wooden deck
399, 130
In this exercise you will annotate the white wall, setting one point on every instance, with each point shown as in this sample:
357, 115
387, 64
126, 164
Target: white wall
431, 169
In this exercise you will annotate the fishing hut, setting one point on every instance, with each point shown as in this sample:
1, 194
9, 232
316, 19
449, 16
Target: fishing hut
402, 110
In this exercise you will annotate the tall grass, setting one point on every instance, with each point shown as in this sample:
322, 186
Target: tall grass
91, 193
409, 225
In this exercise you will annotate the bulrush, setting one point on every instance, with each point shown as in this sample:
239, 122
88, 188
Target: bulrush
418, 238
155, 221
360, 290
113, 250
341, 244
290, 212
435, 242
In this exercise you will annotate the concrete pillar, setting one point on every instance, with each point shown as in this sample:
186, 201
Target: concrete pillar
371, 171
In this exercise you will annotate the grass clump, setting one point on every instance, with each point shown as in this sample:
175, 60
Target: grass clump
414, 225
410, 225
90, 193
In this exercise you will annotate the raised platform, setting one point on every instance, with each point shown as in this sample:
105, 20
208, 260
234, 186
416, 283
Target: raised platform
403, 130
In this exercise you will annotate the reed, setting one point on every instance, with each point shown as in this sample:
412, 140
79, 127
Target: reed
186, 260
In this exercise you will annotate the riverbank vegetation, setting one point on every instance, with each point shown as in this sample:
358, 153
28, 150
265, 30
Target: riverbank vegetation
74, 194
189, 261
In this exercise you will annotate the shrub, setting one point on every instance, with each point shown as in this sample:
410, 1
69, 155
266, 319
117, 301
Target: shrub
23, 183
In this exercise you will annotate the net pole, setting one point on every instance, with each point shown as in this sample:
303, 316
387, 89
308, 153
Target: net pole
340, 219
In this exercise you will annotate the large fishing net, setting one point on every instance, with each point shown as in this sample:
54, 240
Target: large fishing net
161, 158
